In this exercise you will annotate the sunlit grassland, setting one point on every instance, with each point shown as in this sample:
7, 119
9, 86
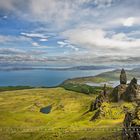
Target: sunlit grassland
20, 116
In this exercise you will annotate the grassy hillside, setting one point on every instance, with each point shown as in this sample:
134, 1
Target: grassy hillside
106, 76
20, 116
82, 88
10, 88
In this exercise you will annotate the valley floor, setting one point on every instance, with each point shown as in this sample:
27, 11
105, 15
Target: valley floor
20, 116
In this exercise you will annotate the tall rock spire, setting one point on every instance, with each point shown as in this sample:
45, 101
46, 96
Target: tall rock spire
123, 78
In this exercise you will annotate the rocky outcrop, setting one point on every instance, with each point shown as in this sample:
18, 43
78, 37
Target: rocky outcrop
118, 93
99, 99
131, 123
123, 78
97, 103
132, 92
125, 92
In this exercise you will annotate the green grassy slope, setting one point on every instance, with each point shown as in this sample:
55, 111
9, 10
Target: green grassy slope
82, 88
104, 77
20, 117
10, 88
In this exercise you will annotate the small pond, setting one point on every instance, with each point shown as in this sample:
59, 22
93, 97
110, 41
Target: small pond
46, 110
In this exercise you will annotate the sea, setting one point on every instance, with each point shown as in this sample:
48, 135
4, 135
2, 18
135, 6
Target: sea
37, 78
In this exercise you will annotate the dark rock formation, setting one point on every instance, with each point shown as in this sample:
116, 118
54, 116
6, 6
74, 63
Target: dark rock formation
123, 78
97, 103
131, 123
96, 115
126, 92
99, 99
104, 90
132, 92
118, 93
128, 119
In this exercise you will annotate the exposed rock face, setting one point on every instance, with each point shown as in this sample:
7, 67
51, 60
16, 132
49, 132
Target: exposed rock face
123, 78
97, 103
131, 129
99, 99
118, 93
132, 91
127, 92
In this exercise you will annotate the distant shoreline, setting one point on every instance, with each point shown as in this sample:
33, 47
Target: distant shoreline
57, 68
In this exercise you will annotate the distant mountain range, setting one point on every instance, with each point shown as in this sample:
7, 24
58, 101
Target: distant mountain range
56, 68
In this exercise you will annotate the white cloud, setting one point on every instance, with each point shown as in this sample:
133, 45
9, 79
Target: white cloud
35, 44
14, 55
11, 51
34, 35
10, 38
67, 44
62, 13
121, 37
129, 21
99, 38
87, 24
62, 44
43, 39
56, 12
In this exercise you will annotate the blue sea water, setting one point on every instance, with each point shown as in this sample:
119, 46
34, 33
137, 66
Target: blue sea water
42, 77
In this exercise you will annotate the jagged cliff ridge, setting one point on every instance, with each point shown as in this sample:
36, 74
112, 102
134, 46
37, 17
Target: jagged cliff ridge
126, 92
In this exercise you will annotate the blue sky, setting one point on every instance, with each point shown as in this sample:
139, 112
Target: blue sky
69, 32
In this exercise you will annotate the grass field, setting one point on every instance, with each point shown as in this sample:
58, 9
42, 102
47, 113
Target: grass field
10, 88
20, 116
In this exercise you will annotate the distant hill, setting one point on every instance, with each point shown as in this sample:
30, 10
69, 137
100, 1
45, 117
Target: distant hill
89, 67
92, 67
106, 76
